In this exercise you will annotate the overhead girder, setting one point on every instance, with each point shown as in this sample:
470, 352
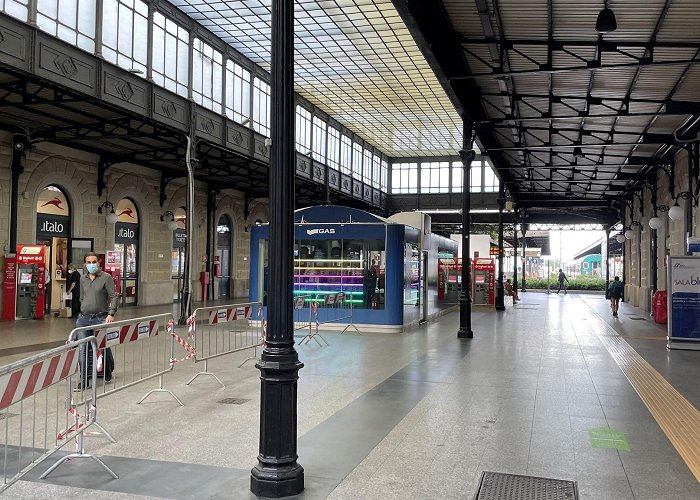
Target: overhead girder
600, 47
671, 108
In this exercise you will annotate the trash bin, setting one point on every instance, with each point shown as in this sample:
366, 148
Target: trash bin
659, 306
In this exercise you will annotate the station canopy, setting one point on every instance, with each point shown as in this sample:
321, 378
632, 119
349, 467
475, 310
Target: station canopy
354, 59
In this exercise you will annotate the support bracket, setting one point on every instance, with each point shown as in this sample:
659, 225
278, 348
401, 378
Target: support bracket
165, 179
102, 167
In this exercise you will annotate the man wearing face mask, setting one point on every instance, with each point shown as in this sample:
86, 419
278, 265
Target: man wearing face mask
98, 304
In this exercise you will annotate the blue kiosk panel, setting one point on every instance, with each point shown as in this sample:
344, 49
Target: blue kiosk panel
340, 249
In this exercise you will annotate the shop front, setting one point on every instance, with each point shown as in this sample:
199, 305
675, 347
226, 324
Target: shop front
340, 250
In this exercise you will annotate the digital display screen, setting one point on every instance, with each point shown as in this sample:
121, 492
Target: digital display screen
25, 278
480, 278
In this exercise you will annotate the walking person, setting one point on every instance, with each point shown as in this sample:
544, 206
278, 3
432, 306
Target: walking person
615, 291
98, 304
74, 290
563, 280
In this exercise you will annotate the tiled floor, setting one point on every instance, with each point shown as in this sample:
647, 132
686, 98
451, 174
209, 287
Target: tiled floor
418, 414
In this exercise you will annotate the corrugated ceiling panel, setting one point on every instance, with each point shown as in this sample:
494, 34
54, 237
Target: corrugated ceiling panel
524, 18
464, 17
636, 19
689, 88
575, 20
681, 22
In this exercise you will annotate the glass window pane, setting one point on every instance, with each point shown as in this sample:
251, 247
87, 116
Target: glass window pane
70, 20
125, 33
207, 77
319, 139
476, 176
333, 147
261, 107
303, 130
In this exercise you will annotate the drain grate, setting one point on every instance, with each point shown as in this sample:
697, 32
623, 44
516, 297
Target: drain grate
6, 415
499, 486
636, 319
233, 401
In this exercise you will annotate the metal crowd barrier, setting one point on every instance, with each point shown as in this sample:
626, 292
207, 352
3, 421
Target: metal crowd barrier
142, 349
303, 314
40, 412
220, 330
328, 308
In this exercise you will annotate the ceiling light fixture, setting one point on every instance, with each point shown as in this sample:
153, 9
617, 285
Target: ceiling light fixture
578, 152
606, 21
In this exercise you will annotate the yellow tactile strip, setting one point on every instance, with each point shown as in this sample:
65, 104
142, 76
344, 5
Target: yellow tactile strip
676, 416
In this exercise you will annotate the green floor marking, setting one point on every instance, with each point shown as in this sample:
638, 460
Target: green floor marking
608, 438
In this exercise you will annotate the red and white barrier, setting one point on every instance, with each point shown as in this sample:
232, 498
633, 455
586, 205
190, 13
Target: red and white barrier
29, 380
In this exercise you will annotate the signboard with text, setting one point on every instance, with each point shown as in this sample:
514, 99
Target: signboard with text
684, 302
9, 287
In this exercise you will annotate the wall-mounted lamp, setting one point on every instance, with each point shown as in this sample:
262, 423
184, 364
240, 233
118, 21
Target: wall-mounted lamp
620, 238
656, 222
676, 212
111, 217
169, 217
629, 233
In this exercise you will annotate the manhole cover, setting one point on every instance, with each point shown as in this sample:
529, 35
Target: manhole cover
6, 415
233, 401
499, 486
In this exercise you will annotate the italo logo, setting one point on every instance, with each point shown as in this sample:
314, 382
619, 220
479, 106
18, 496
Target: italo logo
56, 202
311, 232
30, 251
126, 233
692, 281
128, 212
52, 227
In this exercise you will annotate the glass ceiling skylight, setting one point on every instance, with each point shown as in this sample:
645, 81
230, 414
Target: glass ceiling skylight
356, 60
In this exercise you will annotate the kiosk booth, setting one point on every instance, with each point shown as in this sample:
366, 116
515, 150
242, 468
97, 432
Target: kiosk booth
375, 262
483, 282
24, 290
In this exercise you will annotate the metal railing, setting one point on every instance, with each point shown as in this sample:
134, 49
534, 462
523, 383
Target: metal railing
220, 330
142, 349
40, 413
326, 309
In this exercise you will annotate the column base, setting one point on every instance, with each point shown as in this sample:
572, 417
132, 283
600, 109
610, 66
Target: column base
277, 482
465, 333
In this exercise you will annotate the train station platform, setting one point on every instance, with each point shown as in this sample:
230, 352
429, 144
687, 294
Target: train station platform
553, 387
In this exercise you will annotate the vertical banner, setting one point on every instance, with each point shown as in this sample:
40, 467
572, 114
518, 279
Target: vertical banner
684, 303
9, 287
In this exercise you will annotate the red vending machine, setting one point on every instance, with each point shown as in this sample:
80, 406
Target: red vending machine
31, 290
484, 292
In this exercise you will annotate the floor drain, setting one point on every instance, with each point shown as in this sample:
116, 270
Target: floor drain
499, 486
233, 401
637, 319
5, 416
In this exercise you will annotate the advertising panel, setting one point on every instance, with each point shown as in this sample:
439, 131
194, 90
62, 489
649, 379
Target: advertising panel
9, 287
684, 303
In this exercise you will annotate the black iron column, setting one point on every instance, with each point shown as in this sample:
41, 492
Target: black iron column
277, 473
654, 244
606, 256
524, 281
16, 169
211, 240
500, 304
465, 300
515, 250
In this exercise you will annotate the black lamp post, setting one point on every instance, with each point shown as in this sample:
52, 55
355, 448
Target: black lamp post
277, 473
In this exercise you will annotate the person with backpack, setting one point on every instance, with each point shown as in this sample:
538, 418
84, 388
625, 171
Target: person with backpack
615, 291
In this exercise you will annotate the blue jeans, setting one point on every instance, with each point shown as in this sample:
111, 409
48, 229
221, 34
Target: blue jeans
86, 320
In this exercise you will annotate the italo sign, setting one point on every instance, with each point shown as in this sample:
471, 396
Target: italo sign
125, 232
53, 225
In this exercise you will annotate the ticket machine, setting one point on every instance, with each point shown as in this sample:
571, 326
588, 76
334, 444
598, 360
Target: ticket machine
483, 282
31, 266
